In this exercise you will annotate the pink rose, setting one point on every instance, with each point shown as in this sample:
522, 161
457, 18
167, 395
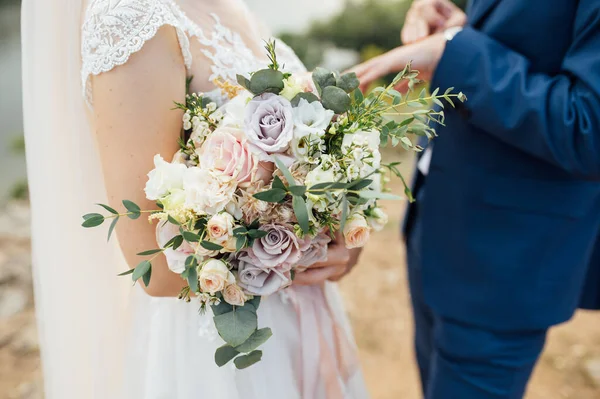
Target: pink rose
227, 150
256, 279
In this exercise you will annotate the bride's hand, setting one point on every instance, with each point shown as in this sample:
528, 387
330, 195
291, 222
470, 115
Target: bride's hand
339, 262
424, 55
426, 17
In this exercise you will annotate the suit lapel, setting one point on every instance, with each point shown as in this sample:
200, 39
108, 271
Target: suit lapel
479, 9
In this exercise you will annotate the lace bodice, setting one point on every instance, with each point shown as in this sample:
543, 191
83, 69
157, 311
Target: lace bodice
114, 29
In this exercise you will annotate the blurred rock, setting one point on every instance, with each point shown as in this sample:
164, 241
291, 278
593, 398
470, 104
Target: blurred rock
14, 220
26, 342
591, 368
27, 390
13, 300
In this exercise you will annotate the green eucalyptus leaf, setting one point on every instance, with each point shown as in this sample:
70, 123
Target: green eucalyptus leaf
345, 210
190, 237
149, 252
277, 183
253, 303
257, 233
225, 354
172, 220
245, 361
92, 220
211, 246
240, 243
266, 80
192, 279
112, 228
273, 195
236, 326
359, 185
126, 273
301, 213
323, 78
146, 277
133, 208
221, 308
108, 208
310, 97
141, 269
335, 99
286, 172
258, 338
348, 82
298, 190
243, 81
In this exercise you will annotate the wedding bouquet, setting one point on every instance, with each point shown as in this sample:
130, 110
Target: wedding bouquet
262, 184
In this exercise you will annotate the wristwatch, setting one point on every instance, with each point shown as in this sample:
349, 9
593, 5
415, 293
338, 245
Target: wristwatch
451, 32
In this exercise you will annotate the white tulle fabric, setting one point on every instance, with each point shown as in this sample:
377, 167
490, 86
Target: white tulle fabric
99, 337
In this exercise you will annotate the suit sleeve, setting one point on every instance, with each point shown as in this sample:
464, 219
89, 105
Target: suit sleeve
556, 118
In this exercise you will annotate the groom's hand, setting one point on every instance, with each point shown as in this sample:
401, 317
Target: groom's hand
426, 17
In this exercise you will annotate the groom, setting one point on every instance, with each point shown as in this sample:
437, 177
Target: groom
504, 239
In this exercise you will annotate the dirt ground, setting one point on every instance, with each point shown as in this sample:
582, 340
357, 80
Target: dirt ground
378, 303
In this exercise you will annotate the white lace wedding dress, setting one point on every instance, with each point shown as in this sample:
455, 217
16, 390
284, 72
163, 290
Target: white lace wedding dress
169, 352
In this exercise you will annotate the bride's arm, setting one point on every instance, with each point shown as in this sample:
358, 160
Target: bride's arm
134, 121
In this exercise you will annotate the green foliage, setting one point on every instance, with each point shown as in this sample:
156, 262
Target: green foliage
19, 191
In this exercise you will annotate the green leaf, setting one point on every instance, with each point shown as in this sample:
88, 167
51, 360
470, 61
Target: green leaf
358, 96
149, 252
348, 82
286, 172
192, 279
245, 361
225, 354
257, 233
298, 190
134, 210
126, 273
345, 210
221, 308
174, 242
112, 227
258, 338
277, 183
301, 213
376, 195
253, 303
108, 208
211, 246
190, 237
141, 269
240, 243
172, 220
240, 230
335, 99
146, 277
323, 78
310, 97
236, 326
273, 195
92, 220
266, 80
359, 185
243, 81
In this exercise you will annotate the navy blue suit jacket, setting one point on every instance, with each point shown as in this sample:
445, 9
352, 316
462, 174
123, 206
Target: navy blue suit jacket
511, 211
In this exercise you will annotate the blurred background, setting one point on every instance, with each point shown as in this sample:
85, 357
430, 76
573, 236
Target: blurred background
331, 33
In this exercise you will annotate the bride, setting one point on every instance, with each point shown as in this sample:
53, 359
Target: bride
99, 84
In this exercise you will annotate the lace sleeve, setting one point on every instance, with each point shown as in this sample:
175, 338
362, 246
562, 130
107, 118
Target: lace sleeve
113, 30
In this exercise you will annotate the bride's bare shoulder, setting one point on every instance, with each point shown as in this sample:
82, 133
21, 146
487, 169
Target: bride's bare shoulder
112, 32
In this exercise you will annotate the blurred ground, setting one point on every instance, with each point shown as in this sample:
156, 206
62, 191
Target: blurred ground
378, 304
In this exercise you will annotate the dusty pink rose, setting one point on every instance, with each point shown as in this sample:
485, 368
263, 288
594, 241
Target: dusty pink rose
279, 248
175, 258
256, 279
227, 150
313, 250
269, 122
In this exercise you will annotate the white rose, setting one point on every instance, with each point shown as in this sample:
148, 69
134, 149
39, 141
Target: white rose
377, 219
311, 119
214, 276
173, 201
356, 231
220, 227
234, 295
291, 87
235, 110
207, 192
164, 178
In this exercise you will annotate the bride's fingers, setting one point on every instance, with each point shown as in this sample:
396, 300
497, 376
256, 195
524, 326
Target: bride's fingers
337, 254
318, 276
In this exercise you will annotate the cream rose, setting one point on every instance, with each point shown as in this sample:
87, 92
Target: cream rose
377, 219
220, 227
234, 295
356, 231
214, 276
